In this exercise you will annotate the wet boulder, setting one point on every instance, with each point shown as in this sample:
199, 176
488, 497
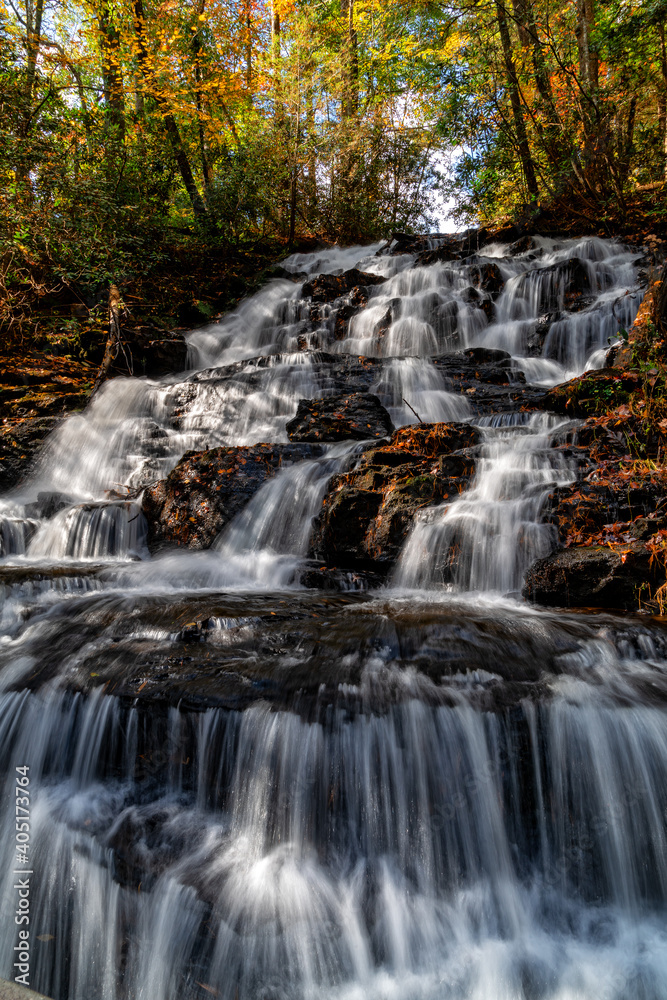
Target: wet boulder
408, 242
207, 489
611, 526
522, 245
20, 441
647, 337
594, 392
487, 277
368, 512
594, 577
537, 337
342, 320
357, 416
490, 380
472, 240
144, 840
329, 287
564, 285
475, 298
604, 505
448, 249
156, 351
48, 504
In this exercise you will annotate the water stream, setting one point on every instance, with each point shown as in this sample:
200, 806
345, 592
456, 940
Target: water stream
429, 792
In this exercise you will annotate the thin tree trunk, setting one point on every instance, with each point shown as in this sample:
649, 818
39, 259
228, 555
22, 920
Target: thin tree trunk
248, 43
524, 14
515, 100
33, 33
311, 187
275, 58
113, 337
588, 60
34, 16
662, 102
197, 51
351, 70
196, 200
292, 215
111, 71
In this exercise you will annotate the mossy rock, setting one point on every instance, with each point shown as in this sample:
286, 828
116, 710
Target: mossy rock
592, 394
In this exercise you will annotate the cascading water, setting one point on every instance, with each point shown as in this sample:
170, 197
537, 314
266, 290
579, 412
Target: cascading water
243, 789
487, 538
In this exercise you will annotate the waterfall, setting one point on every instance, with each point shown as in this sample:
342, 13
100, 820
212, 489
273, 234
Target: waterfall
486, 539
427, 852
241, 788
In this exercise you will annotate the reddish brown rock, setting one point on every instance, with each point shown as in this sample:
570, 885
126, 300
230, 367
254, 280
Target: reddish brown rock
355, 416
367, 513
487, 276
604, 506
648, 333
208, 488
611, 528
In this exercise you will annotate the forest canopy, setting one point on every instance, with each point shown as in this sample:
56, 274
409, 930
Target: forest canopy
128, 124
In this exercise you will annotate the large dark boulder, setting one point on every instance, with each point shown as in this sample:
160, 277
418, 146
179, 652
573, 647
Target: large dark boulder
594, 577
610, 524
208, 488
156, 351
357, 416
446, 253
487, 277
522, 245
594, 392
564, 285
368, 512
20, 441
146, 349
589, 508
328, 287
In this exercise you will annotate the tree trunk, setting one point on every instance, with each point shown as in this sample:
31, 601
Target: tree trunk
197, 52
662, 103
351, 72
588, 60
33, 31
292, 214
524, 14
33, 34
113, 338
311, 185
196, 200
247, 16
515, 99
111, 71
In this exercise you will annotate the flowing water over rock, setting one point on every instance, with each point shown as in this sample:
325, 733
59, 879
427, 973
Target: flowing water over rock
243, 788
